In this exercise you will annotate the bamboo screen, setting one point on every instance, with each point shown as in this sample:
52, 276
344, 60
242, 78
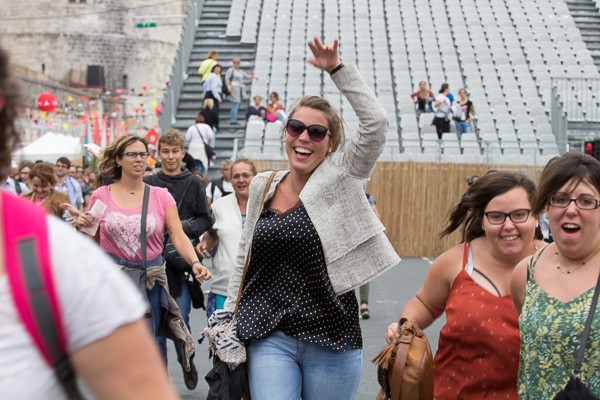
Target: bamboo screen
414, 199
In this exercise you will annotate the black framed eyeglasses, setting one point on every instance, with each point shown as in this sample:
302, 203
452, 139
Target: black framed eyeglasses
583, 203
316, 132
498, 217
133, 155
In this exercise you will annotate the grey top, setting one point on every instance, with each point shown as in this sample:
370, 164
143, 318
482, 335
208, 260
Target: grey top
355, 247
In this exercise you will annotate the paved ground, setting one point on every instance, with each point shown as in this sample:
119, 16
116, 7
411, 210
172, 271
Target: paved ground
388, 295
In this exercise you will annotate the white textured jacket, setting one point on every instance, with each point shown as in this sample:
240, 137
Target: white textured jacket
228, 224
355, 248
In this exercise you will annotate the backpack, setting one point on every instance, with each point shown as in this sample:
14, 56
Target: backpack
218, 184
28, 268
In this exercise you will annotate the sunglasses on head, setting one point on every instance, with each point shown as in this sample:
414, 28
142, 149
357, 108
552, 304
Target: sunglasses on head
316, 132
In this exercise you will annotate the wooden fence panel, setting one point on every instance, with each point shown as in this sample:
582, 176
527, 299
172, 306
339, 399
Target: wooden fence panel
414, 199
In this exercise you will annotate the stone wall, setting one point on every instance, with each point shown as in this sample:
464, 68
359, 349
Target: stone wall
61, 38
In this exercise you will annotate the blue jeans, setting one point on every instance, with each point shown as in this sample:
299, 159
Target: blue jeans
214, 302
281, 367
154, 300
234, 110
463, 127
185, 305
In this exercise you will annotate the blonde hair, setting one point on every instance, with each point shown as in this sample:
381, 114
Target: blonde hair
208, 104
236, 60
172, 137
212, 53
335, 124
243, 160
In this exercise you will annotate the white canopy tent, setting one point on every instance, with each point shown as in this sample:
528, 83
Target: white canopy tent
50, 147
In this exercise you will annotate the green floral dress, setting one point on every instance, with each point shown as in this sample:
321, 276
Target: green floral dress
550, 335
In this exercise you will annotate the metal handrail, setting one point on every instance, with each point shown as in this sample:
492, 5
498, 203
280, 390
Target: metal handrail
575, 105
167, 117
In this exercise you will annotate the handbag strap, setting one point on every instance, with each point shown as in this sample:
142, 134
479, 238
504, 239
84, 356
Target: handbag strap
200, 133
143, 227
237, 302
586, 331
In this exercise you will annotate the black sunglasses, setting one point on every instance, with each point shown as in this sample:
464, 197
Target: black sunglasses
316, 132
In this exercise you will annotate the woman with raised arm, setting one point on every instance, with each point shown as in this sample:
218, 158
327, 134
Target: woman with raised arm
478, 351
313, 242
553, 289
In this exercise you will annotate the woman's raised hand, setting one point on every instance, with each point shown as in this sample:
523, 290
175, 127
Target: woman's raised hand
325, 56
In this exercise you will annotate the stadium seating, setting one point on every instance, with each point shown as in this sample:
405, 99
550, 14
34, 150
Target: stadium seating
503, 52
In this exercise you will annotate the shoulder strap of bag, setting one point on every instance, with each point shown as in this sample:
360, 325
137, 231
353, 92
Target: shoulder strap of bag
262, 201
586, 331
143, 227
27, 262
18, 187
200, 133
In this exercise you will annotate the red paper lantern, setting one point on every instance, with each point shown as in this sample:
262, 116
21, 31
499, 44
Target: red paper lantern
47, 102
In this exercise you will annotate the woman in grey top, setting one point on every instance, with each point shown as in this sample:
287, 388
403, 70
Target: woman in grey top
314, 241
234, 80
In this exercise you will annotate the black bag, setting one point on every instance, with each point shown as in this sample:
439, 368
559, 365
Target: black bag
138, 275
169, 253
575, 389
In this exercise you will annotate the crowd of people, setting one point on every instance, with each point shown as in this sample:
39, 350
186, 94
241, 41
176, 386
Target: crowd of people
445, 108
288, 249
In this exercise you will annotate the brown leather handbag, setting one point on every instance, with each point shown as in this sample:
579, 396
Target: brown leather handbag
405, 368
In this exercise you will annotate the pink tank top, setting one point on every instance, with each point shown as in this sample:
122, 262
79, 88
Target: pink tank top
478, 350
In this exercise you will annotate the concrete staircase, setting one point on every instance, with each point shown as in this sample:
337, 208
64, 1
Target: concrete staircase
587, 18
210, 35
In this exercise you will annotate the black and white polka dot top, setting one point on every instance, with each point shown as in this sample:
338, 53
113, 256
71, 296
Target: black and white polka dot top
287, 287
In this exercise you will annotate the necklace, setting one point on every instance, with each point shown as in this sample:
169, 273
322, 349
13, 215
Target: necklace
560, 269
512, 264
131, 191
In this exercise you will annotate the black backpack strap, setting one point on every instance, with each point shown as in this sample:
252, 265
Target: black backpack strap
586, 331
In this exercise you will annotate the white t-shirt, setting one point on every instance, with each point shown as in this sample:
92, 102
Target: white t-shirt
95, 299
444, 107
227, 186
199, 132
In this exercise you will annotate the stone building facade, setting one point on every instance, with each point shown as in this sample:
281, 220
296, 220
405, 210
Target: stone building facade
60, 39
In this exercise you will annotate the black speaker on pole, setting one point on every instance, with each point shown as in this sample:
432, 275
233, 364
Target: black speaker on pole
95, 75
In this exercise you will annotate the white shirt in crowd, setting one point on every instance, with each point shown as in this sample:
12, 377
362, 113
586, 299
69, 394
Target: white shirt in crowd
95, 298
10, 184
227, 186
444, 107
